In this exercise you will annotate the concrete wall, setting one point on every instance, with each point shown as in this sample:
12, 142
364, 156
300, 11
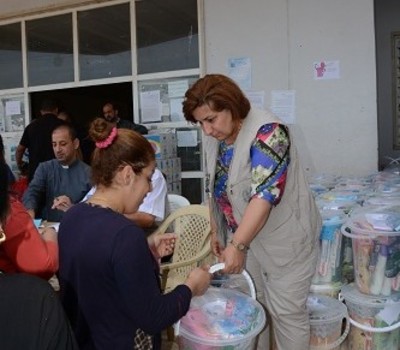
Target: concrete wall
336, 120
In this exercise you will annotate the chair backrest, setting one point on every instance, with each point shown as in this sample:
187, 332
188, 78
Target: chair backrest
192, 226
176, 201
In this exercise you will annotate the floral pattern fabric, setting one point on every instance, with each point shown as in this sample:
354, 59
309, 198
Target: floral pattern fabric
269, 155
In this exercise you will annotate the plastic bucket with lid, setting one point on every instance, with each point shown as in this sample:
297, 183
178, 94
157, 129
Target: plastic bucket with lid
326, 320
375, 238
329, 265
329, 289
375, 320
221, 319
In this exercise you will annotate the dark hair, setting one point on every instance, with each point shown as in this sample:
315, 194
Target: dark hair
2, 150
127, 148
71, 131
48, 104
4, 194
218, 92
112, 103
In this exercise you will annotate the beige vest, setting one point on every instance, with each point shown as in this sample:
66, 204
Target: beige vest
293, 226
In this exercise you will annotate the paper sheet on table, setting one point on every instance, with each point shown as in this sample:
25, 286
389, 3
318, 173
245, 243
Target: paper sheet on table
150, 106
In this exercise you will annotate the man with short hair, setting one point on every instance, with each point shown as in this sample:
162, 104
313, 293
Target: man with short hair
64, 181
111, 114
37, 138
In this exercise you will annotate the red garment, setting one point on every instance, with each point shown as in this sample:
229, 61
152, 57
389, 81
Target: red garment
19, 187
24, 250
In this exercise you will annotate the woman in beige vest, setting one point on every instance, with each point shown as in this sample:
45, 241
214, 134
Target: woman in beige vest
263, 214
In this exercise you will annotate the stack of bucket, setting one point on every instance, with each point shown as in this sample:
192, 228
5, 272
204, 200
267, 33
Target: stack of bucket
373, 301
326, 322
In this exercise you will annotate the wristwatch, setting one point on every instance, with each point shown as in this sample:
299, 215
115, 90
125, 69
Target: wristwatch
239, 246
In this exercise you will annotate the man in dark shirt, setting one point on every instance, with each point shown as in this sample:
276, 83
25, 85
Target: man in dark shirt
110, 113
37, 138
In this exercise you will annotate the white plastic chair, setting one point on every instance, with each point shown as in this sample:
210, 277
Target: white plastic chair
176, 201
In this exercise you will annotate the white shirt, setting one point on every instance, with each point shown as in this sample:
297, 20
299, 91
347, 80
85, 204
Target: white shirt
155, 202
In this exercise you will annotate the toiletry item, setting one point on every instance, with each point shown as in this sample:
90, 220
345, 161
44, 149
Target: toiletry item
379, 271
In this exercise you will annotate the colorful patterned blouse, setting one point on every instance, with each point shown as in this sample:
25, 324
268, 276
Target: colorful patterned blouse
269, 155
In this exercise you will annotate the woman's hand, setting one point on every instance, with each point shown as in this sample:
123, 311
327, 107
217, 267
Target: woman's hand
162, 244
216, 247
234, 259
199, 280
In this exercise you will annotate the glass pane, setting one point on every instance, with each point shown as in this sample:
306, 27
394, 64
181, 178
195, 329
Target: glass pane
160, 100
10, 56
167, 35
50, 50
105, 42
192, 189
189, 148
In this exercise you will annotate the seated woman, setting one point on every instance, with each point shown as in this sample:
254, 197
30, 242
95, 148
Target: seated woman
24, 248
109, 274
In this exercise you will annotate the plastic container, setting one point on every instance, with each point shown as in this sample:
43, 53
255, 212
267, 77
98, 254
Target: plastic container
221, 319
326, 320
329, 265
329, 290
376, 250
375, 320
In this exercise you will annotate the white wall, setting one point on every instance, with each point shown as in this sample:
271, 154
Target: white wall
336, 120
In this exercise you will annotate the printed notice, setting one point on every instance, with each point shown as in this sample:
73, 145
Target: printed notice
239, 69
150, 106
324, 70
283, 105
176, 109
256, 98
13, 108
187, 138
177, 88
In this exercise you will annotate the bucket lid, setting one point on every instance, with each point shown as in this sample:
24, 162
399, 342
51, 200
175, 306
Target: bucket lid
327, 287
372, 221
351, 294
323, 309
222, 317
335, 195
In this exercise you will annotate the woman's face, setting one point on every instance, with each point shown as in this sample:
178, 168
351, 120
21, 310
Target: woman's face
219, 125
140, 186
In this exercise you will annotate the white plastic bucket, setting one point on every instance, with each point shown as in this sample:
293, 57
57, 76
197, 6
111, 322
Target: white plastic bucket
376, 250
329, 265
329, 290
221, 319
375, 320
326, 321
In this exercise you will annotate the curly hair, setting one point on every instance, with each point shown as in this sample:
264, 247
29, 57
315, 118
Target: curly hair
218, 92
128, 147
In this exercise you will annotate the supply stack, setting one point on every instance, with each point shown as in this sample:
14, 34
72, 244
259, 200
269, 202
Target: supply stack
372, 230
164, 143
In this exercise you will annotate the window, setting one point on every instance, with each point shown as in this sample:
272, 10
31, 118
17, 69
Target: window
10, 56
105, 42
50, 50
167, 35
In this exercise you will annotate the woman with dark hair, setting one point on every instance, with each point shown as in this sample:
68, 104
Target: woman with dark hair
263, 213
24, 248
10, 174
109, 273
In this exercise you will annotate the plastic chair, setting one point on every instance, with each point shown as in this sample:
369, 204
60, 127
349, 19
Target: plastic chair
192, 226
176, 201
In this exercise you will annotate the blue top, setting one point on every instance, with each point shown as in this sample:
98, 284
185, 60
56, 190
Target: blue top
109, 281
269, 163
51, 179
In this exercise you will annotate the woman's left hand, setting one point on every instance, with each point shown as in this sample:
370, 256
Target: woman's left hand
162, 244
234, 259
